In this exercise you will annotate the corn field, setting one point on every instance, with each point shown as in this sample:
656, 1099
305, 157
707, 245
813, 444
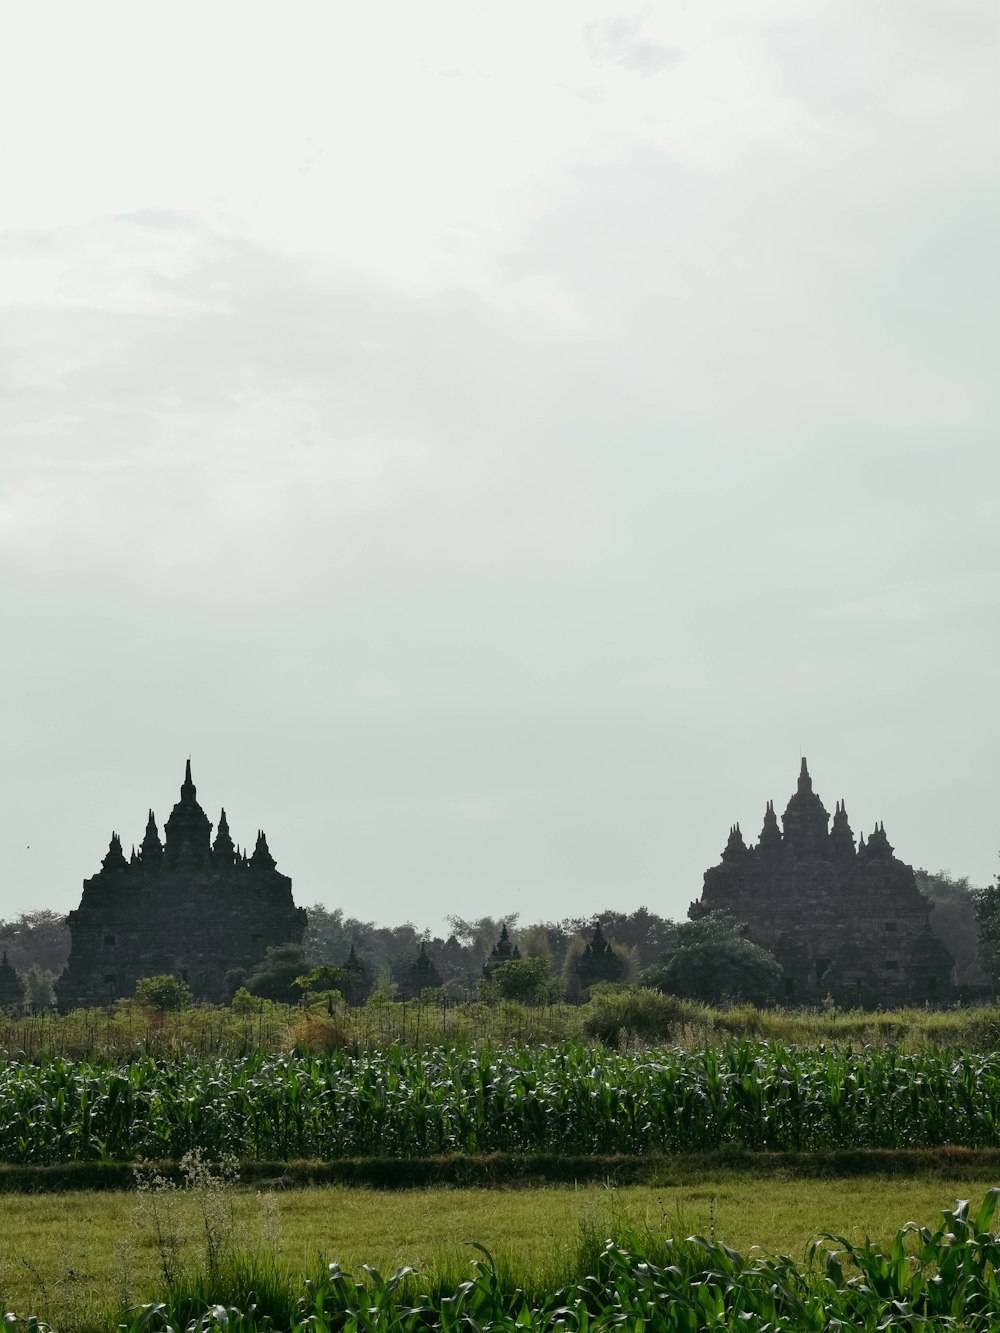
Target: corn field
570, 1099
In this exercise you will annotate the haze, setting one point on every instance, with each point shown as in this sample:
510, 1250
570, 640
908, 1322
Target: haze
495, 441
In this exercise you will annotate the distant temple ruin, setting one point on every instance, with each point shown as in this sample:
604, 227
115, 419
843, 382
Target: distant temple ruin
845, 922
189, 907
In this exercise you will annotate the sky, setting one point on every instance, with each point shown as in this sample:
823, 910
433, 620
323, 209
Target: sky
495, 442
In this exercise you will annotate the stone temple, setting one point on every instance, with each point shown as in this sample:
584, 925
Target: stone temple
190, 907
844, 920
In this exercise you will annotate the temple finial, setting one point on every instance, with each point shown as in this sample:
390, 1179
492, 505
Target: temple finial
805, 781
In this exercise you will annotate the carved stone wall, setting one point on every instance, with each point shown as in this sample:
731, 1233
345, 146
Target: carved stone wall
187, 906
843, 921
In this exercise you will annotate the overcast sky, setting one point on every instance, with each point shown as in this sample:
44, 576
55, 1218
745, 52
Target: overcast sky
494, 441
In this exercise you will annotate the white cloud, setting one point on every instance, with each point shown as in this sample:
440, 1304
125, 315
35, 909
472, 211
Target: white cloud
416, 142
204, 485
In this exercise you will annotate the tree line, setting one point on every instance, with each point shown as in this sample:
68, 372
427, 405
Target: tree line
544, 960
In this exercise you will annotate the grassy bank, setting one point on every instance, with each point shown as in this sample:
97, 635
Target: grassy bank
502, 1171
73, 1259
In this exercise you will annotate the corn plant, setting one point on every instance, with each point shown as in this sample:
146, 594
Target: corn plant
565, 1099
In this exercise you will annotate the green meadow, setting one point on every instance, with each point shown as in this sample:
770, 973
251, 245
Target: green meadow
74, 1259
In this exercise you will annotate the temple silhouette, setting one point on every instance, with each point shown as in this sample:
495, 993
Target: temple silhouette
189, 907
845, 921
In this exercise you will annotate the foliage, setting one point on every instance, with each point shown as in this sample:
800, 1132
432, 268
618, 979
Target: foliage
39, 989
243, 1004
988, 921
621, 1015
953, 920
526, 980
710, 960
480, 935
325, 983
165, 993
275, 978
209, 1246
571, 1099
534, 943
262, 1026
330, 935
733, 969
641, 930
40, 937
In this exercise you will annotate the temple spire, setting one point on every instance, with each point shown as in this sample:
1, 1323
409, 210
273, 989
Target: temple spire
770, 834
841, 836
115, 857
262, 858
878, 843
223, 846
151, 849
187, 823
805, 819
735, 847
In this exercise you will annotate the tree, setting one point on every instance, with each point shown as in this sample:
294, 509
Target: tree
710, 960
479, 936
641, 930
599, 962
165, 994
11, 987
274, 978
40, 937
244, 1004
534, 943
39, 989
527, 980
953, 920
988, 921
321, 980
328, 936
420, 975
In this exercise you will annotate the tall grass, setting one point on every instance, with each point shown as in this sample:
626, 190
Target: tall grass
615, 1018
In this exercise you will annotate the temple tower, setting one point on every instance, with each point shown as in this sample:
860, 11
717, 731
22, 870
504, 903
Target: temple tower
187, 907
844, 922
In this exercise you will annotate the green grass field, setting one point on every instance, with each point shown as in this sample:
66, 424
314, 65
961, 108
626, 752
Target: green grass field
72, 1259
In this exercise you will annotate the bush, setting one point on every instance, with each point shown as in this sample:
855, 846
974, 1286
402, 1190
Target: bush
634, 1013
524, 980
164, 993
321, 1036
275, 977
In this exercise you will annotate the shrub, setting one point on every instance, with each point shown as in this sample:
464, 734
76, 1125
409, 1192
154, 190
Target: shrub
634, 1013
164, 993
